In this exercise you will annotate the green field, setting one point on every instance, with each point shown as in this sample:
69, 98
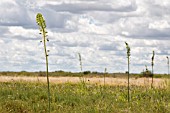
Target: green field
25, 97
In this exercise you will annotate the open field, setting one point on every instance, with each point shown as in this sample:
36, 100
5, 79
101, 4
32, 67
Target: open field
28, 94
92, 80
31, 97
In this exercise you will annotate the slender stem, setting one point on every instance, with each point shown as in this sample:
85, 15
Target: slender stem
152, 77
168, 65
128, 81
105, 77
168, 69
152, 63
81, 68
42, 25
46, 57
128, 57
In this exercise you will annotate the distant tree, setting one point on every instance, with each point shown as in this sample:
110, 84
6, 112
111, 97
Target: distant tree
146, 73
86, 72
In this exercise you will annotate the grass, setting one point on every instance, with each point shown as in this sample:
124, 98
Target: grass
25, 97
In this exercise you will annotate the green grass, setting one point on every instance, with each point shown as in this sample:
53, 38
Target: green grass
22, 97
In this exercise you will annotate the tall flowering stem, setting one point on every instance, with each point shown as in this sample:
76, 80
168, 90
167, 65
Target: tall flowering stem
105, 72
81, 69
168, 63
42, 26
128, 57
80, 62
152, 64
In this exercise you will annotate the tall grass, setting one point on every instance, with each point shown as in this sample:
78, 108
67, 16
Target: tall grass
24, 97
128, 58
42, 26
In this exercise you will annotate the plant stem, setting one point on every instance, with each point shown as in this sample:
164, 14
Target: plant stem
168, 64
128, 81
42, 25
128, 57
105, 77
152, 63
81, 69
152, 77
46, 57
168, 69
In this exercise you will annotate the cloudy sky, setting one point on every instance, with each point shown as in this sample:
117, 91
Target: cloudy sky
95, 28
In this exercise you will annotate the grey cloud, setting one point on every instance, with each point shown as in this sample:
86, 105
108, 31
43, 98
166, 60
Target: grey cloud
74, 44
13, 15
54, 19
3, 30
84, 7
151, 34
156, 8
108, 47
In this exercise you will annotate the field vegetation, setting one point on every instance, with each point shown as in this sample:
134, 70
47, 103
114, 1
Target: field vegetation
85, 74
25, 97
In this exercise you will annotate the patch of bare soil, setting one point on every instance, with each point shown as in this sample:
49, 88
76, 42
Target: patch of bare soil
108, 80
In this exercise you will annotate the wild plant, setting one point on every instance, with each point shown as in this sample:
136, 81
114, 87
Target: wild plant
128, 57
168, 63
81, 68
105, 72
42, 26
152, 64
146, 67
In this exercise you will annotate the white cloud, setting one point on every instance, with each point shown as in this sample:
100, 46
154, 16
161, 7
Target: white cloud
95, 28
159, 25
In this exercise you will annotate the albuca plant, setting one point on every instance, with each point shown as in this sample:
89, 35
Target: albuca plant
42, 26
168, 63
81, 69
152, 64
105, 72
128, 57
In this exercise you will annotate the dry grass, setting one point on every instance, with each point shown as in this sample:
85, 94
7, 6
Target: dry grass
94, 80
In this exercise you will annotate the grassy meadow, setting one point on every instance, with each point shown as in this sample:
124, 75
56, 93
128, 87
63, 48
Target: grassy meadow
26, 97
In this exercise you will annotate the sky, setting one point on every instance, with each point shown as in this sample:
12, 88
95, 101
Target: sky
97, 29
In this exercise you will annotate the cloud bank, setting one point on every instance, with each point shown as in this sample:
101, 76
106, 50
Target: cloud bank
95, 28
